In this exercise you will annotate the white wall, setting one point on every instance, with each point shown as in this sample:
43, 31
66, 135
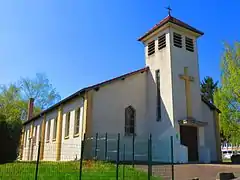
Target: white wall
110, 101
181, 58
50, 147
26, 142
209, 131
70, 147
159, 60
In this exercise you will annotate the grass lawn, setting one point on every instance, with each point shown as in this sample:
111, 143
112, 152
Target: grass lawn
68, 171
226, 161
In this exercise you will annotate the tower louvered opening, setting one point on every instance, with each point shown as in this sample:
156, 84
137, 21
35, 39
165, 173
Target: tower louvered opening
151, 48
189, 44
177, 40
161, 41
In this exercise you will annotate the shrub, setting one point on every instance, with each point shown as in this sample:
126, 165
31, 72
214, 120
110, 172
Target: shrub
10, 133
235, 158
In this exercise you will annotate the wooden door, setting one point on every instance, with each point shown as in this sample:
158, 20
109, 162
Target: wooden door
189, 138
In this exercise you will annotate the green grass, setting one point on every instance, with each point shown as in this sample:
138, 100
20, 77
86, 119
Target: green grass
68, 171
226, 161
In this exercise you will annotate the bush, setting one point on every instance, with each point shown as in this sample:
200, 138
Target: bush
10, 133
235, 159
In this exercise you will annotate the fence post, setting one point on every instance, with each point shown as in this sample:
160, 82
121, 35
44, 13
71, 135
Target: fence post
38, 156
124, 151
150, 157
172, 158
96, 144
106, 146
81, 156
133, 149
118, 147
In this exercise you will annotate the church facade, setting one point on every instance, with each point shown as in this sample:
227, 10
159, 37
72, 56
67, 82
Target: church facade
163, 99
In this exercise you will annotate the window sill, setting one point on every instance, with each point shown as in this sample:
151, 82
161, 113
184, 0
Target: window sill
76, 135
53, 140
66, 137
47, 141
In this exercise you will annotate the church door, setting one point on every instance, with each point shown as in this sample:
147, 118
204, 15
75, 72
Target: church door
189, 138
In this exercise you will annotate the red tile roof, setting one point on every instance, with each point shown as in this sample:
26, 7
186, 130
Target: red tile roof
171, 20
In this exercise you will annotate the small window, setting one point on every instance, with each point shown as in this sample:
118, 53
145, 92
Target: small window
189, 44
177, 40
161, 41
77, 121
48, 130
130, 115
25, 142
35, 136
39, 133
67, 123
157, 74
151, 48
55, 129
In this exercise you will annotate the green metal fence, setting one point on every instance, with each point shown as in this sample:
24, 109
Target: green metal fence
101, 161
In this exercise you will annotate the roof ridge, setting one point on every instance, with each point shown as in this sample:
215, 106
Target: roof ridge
171, 19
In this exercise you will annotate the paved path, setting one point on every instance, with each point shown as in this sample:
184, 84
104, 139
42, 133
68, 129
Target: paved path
189, 171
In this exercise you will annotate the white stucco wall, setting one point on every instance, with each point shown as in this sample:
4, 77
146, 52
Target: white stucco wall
110, 101
70, 147
159, 60
209, 131
181, 58
30, 148
26, 142
50, 147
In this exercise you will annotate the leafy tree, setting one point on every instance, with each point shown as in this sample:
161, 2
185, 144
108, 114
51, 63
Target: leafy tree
227, 97
11, 103
14, 101
40, 89
208, 87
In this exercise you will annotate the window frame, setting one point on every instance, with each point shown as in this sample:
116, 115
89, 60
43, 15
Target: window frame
162, 41
158, 108
151, 48
77, 122
48, 131
54, 135
25, 142
34, 135
189, 44
130, 124
67, 125
177, 38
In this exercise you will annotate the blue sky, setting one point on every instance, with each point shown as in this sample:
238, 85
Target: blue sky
82, 42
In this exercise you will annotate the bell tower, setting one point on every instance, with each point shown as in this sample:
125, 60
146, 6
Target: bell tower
174, 86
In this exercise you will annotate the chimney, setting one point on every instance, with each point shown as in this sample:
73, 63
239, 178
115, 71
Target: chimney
30, 108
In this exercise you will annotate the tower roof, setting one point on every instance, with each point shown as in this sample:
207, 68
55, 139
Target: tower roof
173, 20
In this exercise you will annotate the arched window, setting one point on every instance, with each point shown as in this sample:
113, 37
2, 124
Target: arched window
130, 115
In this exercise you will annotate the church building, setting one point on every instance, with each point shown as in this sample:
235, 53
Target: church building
163, 98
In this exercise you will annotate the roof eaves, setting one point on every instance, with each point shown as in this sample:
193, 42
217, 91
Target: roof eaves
210, 105
171, 20
56, 105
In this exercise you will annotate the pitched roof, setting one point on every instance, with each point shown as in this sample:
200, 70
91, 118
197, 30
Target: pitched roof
171, 20
210, 105
82, 91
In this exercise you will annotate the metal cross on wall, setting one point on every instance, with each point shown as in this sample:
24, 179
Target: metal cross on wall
187, 80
